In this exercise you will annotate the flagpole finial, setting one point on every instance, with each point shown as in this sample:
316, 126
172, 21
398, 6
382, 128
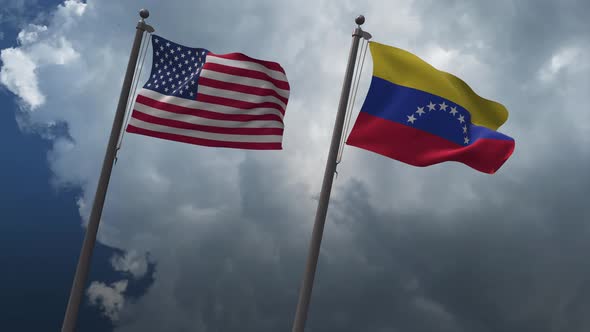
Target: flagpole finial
144, 13
360, 20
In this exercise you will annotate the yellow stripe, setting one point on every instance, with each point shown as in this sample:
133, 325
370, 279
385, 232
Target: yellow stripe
404, 68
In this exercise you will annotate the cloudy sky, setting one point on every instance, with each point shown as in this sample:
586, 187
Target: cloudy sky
202, 239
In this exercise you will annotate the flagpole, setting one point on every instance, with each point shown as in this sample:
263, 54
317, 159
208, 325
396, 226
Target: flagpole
83, 267
322, 210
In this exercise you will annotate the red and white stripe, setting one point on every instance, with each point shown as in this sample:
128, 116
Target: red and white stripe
240, 103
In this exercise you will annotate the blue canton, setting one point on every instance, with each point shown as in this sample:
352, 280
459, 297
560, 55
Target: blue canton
175, 68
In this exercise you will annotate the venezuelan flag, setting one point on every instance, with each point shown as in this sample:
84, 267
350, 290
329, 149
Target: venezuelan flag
422, 116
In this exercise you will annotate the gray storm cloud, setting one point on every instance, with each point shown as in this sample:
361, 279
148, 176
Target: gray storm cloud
405, 249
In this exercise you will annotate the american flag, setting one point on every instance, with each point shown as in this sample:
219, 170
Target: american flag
220, 100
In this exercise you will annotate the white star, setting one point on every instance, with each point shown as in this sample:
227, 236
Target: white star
178, 48
461, 118
420, 111
165, 67
191, 93
161, 76
161, 48
170, 62
166, 55
163, 82
464, 129
149, 84
159, 71
170, 79
156, 40
166, 89
182, 55
162, 60
175, 58
411, 118
177, 76
192, 58
171, 51
167, 44
186, 62
453, 110
183, 72
174, 69
157, 86
466, 140
443, 106
179, 82
180, 65
174, 87
157, 53
431, 106
193, 82
154, 76
167, 73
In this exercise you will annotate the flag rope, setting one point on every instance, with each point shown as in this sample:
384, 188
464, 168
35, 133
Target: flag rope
356, 83
134, 84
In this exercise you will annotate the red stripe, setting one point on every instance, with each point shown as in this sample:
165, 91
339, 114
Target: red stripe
420, 148
191, 126
246, 73
243, 57
241, 88
204, 113
204, 142
237, 103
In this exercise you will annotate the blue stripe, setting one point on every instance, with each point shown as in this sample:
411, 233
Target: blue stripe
402, 104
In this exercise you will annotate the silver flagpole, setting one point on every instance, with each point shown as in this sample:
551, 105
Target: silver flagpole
322, 210
83, 267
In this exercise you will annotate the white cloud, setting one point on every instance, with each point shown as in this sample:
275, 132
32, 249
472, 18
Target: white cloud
30, 34
39, 49
109, 299
131, 262
18, 75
